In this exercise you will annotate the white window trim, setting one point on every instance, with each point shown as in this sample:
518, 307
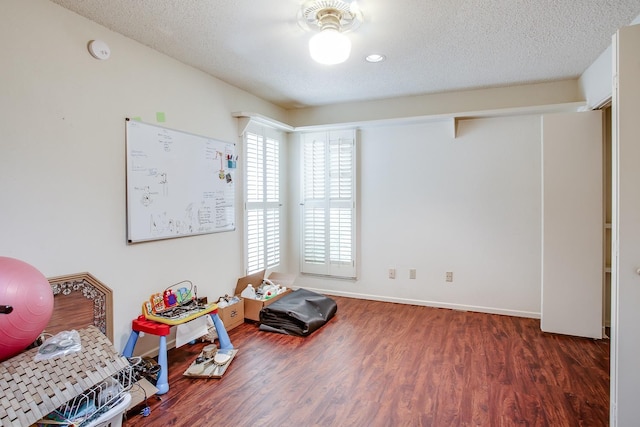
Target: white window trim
327, 267
265, 132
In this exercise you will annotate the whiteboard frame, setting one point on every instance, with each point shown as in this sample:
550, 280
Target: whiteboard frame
134, 234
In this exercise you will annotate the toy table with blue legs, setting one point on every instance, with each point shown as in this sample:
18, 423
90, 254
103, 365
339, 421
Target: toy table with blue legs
142, 324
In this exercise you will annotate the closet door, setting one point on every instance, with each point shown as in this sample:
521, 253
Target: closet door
572, 224
625, 262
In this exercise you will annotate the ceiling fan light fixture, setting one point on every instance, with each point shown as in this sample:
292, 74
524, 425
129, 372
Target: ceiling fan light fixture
330, 47
332, 18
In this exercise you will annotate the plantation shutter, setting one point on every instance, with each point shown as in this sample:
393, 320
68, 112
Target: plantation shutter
263, 204
328, 204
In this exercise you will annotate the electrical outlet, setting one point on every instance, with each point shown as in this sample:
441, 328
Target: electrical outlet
449, 276
392, 273
412, 273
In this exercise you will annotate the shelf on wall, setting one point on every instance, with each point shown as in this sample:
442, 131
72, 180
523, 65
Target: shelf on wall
452, 119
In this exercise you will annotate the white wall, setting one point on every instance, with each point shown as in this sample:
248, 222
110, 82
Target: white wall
469, 205
62, 155
595, 82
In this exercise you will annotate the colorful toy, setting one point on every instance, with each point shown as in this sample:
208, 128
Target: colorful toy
183, 294
169, 298
157, 303
175, 306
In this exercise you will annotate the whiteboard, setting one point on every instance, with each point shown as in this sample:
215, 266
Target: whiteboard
178, 184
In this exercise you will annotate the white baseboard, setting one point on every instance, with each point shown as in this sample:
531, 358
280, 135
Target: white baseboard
460, 307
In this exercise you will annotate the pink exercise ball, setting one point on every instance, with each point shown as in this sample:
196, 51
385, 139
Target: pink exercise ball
26, 305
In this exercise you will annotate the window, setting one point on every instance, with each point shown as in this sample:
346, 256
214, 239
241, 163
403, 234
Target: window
263, 204
328, 204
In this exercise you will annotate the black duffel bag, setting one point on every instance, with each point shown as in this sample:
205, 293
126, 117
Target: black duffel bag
299, 313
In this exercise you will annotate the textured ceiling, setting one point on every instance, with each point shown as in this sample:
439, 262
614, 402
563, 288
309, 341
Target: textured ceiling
431, 45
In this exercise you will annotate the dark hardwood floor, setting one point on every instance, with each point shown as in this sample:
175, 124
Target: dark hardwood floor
384, 364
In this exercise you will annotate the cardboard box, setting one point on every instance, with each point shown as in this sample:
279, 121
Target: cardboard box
282, 279
252, 307
232, 315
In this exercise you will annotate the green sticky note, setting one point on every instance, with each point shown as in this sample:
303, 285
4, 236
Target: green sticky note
137, 119
160, 117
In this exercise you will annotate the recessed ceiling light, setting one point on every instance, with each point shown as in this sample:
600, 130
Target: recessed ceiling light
375, 57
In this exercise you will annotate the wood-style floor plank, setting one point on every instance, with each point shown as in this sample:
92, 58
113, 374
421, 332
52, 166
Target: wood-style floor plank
385, 364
